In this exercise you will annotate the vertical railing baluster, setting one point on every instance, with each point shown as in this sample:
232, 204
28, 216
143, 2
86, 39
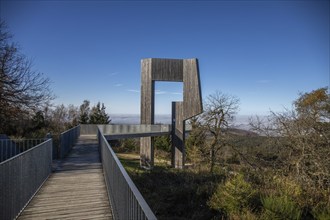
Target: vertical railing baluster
15, 175
127, 202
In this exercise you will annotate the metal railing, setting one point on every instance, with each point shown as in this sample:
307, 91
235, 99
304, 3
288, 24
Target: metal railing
131, 129
88, 129
21, 177
126, 200
10, 148
68, 139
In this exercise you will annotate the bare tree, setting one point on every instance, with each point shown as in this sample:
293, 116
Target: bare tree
219, 113
73, 116
22, 89
305, 134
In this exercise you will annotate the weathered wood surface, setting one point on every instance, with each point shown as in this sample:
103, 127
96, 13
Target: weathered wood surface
178, 139
76, 190
174, 70
147, 110
192, 93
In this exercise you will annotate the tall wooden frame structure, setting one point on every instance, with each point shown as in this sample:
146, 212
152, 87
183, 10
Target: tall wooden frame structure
172, 70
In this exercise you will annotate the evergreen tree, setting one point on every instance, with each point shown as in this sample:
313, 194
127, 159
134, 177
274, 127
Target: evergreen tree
98, 115
84, 112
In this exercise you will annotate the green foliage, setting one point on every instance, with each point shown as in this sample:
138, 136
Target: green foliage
129, 145
233, 197
195, 142
286, 187
280, 207
98, 115
163, 148
233, 159
38, 120
281, 168
303, 149
314, 104
175, 194
163, 143
84, 112
322, 213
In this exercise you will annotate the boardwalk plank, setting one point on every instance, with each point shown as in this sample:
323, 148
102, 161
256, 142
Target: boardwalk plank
76, 190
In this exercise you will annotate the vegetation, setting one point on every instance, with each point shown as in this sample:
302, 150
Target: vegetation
25, 98
96, 115
281, 170
22, 90
282, 173
54, 120
219, 113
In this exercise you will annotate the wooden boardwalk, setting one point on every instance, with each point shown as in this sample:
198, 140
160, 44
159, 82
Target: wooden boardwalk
76, 190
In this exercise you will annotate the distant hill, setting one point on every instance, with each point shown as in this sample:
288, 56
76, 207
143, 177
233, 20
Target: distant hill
242, 132
241, 123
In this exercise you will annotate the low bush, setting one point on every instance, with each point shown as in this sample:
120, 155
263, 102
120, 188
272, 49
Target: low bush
235, 197
280, 207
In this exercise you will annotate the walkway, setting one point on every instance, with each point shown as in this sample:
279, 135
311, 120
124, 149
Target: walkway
76, 190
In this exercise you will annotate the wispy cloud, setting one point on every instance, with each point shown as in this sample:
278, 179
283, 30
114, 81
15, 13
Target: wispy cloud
133, 90
160, 92
263, 81
176, 93
113, 73
118, 85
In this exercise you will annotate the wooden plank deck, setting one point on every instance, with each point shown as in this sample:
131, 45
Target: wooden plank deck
76, 190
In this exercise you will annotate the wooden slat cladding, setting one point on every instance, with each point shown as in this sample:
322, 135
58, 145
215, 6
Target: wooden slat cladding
167, 70
178, 150
192, 97
147, 92
173, 70
147, 110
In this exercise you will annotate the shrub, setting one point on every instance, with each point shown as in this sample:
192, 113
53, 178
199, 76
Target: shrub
129, 145
163, 143
280, 207
235, 197
281, 199
234, 159
321, 213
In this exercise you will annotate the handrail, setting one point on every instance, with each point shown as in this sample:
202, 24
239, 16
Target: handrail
12, 147
21, 177
88, 129
68, 139
126, 200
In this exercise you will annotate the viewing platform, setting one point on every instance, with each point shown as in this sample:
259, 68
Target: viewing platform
76, 190
87, 181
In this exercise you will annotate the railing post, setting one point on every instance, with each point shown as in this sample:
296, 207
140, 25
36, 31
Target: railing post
68, 139
27, 170
127, 202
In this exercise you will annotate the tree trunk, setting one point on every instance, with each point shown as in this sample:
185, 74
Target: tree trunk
213, 158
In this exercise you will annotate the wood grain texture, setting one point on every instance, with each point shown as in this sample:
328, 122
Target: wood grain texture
178, 128
76, 190
147, 111
192, 97
167, 70
177, 70
147, 93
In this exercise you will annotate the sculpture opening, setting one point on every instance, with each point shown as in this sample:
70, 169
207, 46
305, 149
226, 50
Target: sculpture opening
171, 70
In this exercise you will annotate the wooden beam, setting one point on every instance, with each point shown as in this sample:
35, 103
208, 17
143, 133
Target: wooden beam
175, 70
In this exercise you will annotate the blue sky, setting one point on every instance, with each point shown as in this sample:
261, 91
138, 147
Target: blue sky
263, 52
